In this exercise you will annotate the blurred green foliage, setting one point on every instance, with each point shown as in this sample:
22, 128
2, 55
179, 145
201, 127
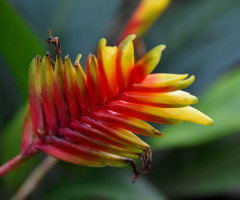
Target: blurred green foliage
191, 161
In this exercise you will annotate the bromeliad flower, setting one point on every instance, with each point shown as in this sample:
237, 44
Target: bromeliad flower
92, 119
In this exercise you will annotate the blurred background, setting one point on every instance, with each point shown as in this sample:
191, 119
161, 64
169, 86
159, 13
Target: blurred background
192, 161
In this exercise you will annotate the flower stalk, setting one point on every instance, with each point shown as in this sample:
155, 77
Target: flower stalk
13, 164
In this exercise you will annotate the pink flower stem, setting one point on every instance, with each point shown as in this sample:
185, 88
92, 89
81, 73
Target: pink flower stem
13, 164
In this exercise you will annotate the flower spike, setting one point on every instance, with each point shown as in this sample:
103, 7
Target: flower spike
92, 119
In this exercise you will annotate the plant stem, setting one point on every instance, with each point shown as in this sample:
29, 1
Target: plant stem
34, 178
13, 164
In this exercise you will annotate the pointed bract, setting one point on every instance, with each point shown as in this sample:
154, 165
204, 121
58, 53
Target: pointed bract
107, 68
60, 93
35, 99
146, 64
82, 90
48, 96
166, 100
129, 123
94, 81
125, 62
71, 90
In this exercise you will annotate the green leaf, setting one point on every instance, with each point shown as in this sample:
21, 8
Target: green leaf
18, 45
222, 103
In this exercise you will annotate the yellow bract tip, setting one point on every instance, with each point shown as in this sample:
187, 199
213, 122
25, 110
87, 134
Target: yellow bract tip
161, 47
124, 44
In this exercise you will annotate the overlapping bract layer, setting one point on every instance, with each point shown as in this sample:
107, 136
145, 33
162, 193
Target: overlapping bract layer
91, 119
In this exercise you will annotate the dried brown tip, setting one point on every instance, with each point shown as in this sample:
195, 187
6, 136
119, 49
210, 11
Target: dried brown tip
54, 40
142, 158
136, 172
146, 161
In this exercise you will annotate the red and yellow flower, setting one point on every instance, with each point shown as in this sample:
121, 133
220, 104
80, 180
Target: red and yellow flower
91, 119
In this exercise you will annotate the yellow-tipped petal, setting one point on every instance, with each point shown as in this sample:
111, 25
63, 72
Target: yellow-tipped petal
181, 84
184, 83
159, 83
80, 75
59, 72
101, 133
162, 80
94, 81
169, 99
35, 99
129, 123
124, 137
48, 96
35, 75
129, 136
147, 64
60, 92
96, 144
147, 113
81, 81
169, 114
125, 62
107, 67
192, 115
88, 153
71, 90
